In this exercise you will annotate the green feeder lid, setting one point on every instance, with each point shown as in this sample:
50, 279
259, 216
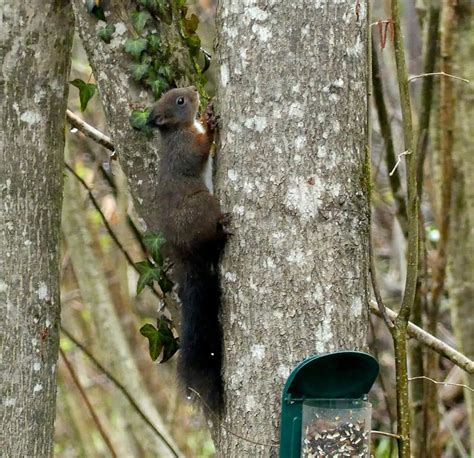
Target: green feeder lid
338, 375
342, 374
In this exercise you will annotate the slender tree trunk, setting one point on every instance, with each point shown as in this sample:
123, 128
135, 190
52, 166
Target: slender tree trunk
110, 334
34, 55
292, 171
461, 267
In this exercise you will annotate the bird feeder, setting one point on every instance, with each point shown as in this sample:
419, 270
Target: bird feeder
325, 411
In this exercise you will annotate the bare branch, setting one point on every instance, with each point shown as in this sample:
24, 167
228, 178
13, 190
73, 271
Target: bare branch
91, 410
398, 161
89, 130
422, 75
432, 342
440, 383
383, 433
120, 387
399, 331
386, 131
114, 237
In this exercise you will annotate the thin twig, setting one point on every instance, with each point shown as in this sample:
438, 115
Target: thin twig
88, 404
120, 387
89, 130
405, 153
114, 237
232, 433
431, 342
381, 379
436, 382
383, 433
422, 75
399, 331
386, 131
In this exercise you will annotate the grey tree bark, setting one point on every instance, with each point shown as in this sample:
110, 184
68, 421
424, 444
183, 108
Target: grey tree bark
35, 45
138, 155
292, 170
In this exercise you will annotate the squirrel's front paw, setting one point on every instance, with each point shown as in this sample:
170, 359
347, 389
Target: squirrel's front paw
210, 118
224, 222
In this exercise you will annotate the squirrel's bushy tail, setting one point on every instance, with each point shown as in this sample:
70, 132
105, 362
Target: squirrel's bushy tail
199, 364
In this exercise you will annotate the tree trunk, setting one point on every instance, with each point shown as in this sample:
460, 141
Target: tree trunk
292, 171
110, 334
119, 93
36, 41
461, 267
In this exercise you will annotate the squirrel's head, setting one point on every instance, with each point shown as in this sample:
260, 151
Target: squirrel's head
177, 107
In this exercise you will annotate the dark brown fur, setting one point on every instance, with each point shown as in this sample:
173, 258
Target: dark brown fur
190, 219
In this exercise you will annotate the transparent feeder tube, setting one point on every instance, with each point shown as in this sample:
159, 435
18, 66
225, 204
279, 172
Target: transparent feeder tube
336, 428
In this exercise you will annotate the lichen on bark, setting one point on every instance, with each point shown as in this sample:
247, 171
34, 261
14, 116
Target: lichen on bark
36, 41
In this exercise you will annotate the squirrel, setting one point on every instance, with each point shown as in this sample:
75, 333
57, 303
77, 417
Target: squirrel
193, 226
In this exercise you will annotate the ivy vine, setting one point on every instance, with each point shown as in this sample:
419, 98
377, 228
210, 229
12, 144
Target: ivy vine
149, 56
150, 67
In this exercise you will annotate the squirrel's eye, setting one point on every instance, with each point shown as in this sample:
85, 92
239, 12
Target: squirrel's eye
180, 101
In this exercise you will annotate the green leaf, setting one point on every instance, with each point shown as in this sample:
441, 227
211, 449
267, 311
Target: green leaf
167, 72
154, 241
158, 86
139, 118
86, 91
140, 19
148, 274
135, 46
154, 342
191, 24
139, 71
154, 42
106, 32
160, 338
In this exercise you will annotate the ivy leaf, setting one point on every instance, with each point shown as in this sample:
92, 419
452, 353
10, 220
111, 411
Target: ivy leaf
140, 19
139, 121
167, 72
86, 91
158, 86
139, 71
148, 274
154, 42
191, 24
154, 242
135, 46
106, 32
160, 339
139, 118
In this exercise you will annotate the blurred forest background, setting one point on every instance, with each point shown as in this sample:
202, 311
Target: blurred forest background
102, 311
